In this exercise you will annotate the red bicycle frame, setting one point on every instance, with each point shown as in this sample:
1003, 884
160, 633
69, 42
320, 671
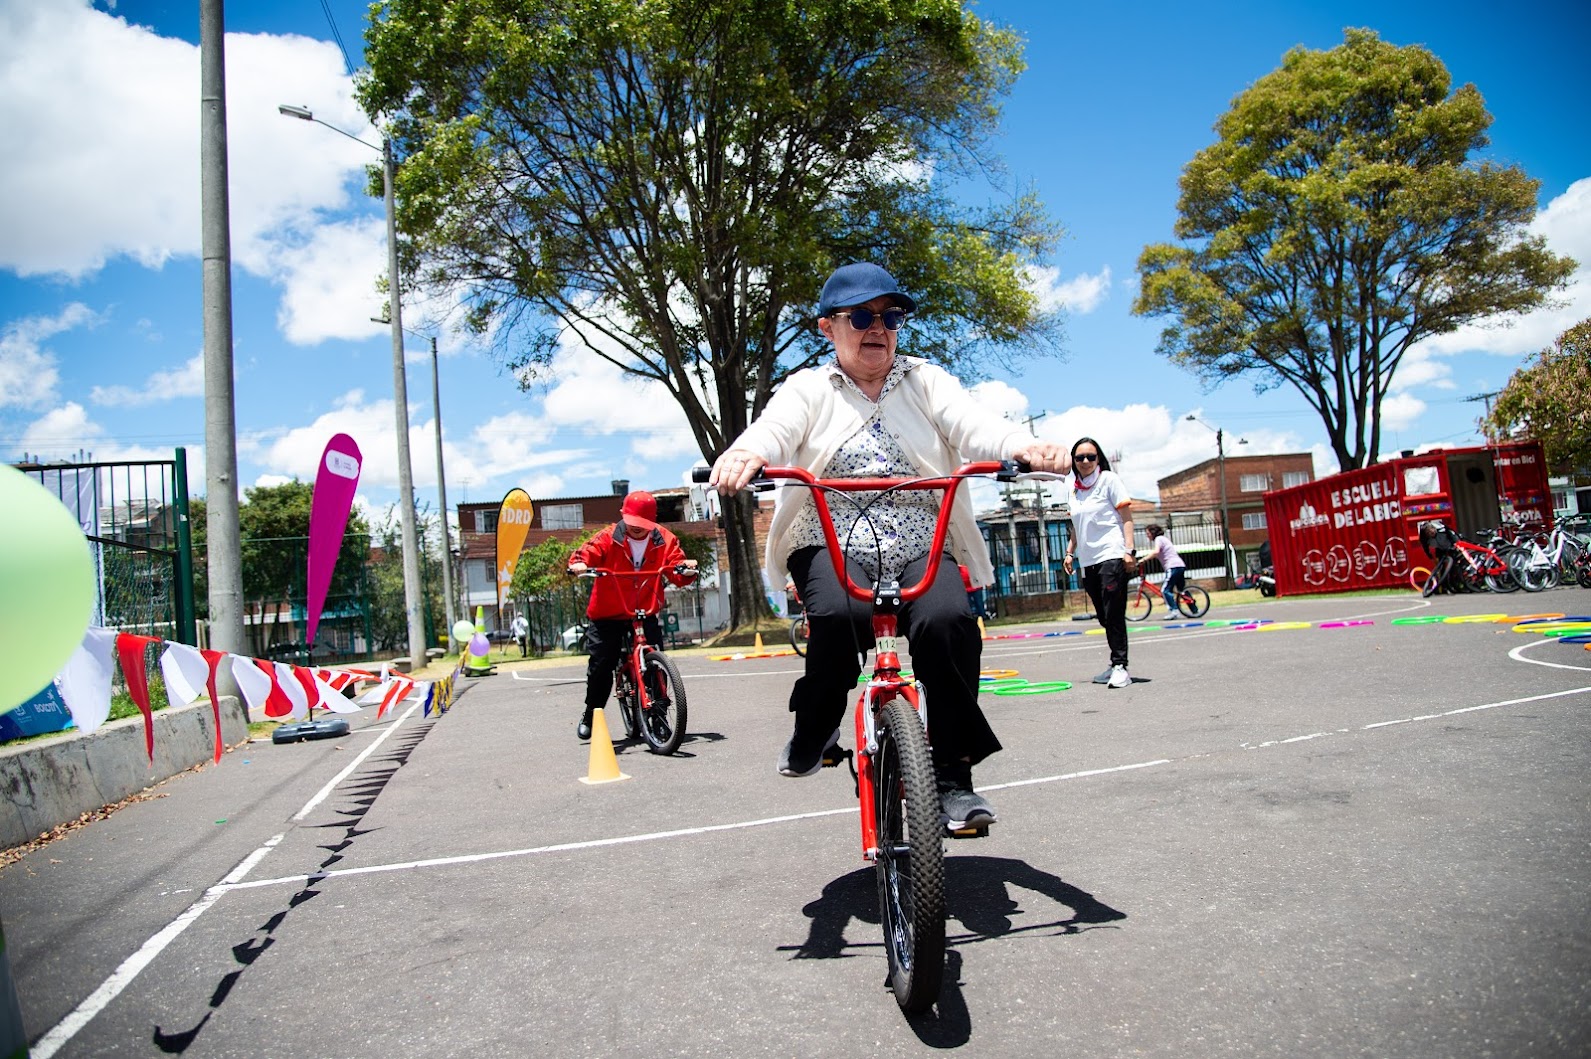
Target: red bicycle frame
886, 682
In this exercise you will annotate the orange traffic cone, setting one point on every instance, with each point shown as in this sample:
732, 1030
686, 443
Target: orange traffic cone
759, 646
604, 763
983, 634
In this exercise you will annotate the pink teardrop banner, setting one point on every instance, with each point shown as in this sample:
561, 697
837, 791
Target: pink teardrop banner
335, 485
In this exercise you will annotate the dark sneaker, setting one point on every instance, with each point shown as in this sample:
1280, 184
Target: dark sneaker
965, 809
803, 756
583, 731
1104, 678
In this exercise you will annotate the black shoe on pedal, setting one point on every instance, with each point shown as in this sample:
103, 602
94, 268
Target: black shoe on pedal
965, 810
804, 755
583, 730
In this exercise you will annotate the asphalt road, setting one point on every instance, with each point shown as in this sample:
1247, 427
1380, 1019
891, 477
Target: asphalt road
1361, 841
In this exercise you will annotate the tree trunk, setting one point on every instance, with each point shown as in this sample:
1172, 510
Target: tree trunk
747, 599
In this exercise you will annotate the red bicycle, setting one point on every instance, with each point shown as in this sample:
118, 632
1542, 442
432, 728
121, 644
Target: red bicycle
902, 826
647, 685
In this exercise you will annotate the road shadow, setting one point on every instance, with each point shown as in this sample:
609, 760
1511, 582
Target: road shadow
356, 795
981, 893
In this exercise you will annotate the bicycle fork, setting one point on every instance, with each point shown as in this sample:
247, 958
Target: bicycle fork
885, 685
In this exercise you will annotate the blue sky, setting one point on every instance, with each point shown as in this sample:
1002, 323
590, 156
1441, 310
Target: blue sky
100, 326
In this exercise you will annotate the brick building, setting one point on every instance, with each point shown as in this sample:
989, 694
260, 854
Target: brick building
1197, 490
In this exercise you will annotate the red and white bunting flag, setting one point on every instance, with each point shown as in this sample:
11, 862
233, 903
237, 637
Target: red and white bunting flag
130, 649
396, 693
331, 696
185, 673
84, 683
293, 690
252, 682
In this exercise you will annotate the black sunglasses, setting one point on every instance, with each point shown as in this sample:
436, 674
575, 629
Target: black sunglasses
862, 319
1086, 457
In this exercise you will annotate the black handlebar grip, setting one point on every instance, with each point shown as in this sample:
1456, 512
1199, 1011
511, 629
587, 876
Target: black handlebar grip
701, 474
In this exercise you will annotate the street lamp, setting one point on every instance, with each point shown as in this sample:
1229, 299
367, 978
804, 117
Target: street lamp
400, 389
1220, 470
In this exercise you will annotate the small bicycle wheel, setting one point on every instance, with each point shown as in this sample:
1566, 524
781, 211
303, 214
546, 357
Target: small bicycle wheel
798, 635
1193, 601
1139, 606
911, 859
662, 720
1433, 582
624, 694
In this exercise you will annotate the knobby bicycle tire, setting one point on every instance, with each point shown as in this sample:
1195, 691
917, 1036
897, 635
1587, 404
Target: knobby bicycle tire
662, 714
1433, 582
624, 694
1139, 606
911, 858
798, 636
1193, 601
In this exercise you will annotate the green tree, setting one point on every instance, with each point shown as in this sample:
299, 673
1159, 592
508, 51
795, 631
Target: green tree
670, 181
1338, 220
1551, 400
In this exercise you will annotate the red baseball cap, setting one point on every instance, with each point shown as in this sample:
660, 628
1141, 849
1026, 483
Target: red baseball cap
640, 510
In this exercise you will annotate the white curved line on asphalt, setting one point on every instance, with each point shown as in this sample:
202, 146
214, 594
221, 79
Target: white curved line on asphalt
1518, 655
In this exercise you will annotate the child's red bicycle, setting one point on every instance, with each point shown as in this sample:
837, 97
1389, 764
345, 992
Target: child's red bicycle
647, 686
902, 825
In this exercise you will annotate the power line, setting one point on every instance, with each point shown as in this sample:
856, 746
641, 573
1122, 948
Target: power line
336, 36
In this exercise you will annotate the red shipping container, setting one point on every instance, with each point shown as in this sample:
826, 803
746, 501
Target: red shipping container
1361, 529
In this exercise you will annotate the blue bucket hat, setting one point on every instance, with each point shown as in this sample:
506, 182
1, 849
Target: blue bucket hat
860, 282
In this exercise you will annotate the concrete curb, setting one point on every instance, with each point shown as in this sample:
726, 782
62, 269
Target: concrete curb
49, 782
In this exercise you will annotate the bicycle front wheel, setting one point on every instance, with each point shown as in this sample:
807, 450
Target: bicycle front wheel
798, 636
1139, 606
1193, 601
1433, 580
662, 720
911, 858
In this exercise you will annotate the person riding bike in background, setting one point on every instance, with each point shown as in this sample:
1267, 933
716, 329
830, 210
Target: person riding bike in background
1176, 570
869, 413
636, 543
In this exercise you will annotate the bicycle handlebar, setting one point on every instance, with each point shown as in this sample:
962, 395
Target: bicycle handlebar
679, 568
1003, 470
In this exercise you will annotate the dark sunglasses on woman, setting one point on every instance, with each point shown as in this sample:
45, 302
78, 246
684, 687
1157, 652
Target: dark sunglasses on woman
862, 319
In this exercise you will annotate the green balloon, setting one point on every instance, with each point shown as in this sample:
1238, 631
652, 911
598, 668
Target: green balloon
463, 630
48, 598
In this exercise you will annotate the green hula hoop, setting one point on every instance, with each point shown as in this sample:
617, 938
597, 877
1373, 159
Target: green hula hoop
1043, 687
1424, 619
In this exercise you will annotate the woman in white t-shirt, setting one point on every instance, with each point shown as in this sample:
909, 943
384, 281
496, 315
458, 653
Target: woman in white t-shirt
1102, 543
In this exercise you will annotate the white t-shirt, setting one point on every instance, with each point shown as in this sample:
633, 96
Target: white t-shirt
1095, 520
1166, 552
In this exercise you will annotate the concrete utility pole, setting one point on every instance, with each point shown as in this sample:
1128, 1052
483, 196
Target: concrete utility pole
220, 421
1044, 537
441, 492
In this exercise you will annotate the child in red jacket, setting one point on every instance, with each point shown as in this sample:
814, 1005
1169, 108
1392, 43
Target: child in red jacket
636, 543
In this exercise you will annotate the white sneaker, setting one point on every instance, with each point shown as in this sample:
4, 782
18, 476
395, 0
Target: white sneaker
1119, 678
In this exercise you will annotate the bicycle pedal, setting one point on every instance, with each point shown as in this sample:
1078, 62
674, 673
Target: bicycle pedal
834, 756
968, 832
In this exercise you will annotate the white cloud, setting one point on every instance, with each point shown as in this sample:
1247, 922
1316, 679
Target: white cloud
27, 370
594, 395
1001, 398
1400, 410
186, 381
1081, 294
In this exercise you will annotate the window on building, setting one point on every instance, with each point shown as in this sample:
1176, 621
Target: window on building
1253, 520
1254, 483
1292, 478
563, 516
1028, 536
486, 521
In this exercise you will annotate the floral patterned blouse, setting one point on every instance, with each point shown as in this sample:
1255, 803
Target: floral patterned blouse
896, 529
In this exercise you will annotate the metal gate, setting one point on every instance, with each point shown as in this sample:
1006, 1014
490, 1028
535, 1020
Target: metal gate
135, 516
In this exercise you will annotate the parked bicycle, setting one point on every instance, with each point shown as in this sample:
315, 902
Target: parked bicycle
1190, 600
1461, 566
902, 826
647, 685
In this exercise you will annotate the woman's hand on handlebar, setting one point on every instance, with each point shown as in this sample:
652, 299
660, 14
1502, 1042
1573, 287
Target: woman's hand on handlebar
578, 568
1045, 456
734, 470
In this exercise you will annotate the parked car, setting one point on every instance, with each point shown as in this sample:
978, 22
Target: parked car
573, 637
295, 651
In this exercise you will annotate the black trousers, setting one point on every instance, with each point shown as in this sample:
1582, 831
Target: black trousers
1106, 585
605, 643
946, 652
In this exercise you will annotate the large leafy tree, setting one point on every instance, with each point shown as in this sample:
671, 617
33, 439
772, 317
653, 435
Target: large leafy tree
1339, 218
668, 182
1551, 400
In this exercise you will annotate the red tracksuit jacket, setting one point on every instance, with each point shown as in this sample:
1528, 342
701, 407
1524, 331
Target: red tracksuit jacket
620, 597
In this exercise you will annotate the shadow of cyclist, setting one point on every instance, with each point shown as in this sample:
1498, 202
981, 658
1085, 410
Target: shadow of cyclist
980, 894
